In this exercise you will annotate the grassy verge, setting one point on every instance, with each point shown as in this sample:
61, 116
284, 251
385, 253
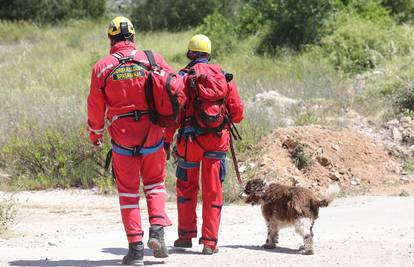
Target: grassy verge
8, 212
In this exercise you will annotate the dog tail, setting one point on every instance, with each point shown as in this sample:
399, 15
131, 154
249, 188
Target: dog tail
329, 195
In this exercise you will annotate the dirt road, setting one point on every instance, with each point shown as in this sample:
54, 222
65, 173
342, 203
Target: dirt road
80, 228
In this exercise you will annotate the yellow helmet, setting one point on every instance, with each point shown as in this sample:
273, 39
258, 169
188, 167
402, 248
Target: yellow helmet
200, 43
120, 25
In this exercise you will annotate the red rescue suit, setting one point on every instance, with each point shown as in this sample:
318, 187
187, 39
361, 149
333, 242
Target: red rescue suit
206, 152
124, 93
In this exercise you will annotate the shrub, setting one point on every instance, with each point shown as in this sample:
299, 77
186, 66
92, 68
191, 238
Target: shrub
360, 44
220, 31
372, 10
53, 158
286, 22
175, 15
51, 11
299, 156
402, 10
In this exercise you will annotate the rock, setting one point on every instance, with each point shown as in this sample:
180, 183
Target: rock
404, 193
323, 161
408, 138
335, 176
390, 182
392, 123
335, 147
356, 181
396, 134
397, 170
351, 114
405, 179
252, 165
405, 119
242, 168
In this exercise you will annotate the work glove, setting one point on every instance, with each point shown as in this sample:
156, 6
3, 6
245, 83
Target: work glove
167, 149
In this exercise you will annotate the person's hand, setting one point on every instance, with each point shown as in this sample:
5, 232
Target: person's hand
167, 149
98, 143
96, 139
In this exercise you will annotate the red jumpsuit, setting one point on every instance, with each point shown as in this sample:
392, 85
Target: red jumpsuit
125, 93
209, 150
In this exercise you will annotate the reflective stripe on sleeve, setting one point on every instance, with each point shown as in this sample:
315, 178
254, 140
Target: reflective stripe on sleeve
97, 131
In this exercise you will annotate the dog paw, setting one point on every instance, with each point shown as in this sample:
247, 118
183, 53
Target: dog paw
269, 246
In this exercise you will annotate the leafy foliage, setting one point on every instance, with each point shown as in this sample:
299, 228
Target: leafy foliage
53, 158
358, 44
220, 31
286, 22
51, 11
402, 10
175, 15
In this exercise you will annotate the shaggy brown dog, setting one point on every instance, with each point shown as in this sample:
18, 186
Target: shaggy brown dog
284, 206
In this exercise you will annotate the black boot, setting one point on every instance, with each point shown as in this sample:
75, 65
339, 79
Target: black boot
135, 256
156, 241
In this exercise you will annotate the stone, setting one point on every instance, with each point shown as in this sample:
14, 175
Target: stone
396, 134
323, 161
405, 119
404, 193
335, 176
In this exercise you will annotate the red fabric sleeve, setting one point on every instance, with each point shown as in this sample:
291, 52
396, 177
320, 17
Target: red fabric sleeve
234, 103
96, 107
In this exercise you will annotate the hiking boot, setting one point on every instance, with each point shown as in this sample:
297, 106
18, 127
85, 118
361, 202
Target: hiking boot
183, 243
156, 241
135, 256
207, 250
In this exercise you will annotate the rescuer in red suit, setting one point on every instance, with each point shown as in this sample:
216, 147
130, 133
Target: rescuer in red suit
137, 144
204, 151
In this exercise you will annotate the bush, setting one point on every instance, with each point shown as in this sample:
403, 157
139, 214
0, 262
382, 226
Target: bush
221, 33
53, 158
175, 15
360, 44
51, 11
372, 10
402, 10
286, 22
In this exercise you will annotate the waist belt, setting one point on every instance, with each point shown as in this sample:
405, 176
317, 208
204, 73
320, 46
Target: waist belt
189, 131
136, 114
184, 164
215, 155
136, 151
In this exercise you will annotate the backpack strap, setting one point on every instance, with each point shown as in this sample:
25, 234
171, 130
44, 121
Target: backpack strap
150, 57
121, 61
149, 94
